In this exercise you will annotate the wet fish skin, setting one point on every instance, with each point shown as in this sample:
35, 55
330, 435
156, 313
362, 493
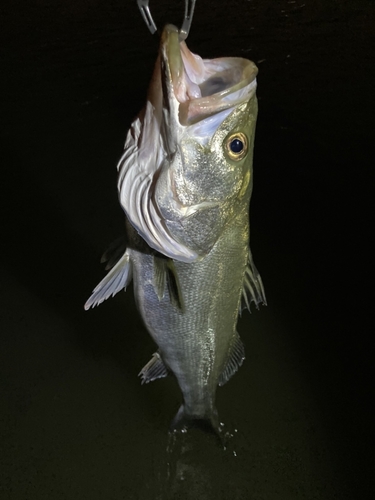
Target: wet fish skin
187, 226
195, 343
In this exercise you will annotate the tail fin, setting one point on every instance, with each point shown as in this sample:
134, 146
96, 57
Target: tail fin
208, 423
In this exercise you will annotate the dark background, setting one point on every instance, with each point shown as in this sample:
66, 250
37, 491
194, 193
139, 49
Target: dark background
75, 421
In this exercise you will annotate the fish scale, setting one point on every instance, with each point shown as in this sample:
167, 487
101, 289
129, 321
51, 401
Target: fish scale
195, 344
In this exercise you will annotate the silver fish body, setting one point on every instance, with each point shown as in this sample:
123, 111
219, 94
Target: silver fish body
185, 183
194, 341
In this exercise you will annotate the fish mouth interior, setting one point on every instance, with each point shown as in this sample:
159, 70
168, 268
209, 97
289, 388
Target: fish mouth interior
201, 85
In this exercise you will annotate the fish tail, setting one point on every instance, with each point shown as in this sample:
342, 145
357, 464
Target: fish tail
208, 422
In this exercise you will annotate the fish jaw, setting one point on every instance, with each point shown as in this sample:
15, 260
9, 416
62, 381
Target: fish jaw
195, 88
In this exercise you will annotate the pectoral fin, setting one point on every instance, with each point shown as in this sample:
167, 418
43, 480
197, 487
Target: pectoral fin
160, 277
235, 359
154, 369
117, 279
253, 290
165, 274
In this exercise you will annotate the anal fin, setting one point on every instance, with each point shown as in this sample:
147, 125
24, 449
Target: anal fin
236, 357
154, 369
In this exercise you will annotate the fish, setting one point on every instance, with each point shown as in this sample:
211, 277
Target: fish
184, 182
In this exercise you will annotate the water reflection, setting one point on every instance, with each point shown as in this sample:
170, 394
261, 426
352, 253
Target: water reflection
196, 464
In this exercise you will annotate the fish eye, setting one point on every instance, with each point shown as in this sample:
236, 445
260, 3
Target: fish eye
236, 146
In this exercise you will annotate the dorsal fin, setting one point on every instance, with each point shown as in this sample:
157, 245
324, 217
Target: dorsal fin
253, 290
236, 356
165, 273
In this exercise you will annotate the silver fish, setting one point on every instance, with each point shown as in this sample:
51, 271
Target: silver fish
185, 182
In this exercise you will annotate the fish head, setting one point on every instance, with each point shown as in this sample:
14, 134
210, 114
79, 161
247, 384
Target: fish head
195, 144
209, 117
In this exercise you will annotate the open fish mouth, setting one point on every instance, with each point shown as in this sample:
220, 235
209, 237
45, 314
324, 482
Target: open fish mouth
198, 88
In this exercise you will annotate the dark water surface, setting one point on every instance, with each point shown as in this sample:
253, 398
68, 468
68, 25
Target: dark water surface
75, 422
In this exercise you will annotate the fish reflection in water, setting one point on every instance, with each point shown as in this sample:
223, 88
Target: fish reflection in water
194, 466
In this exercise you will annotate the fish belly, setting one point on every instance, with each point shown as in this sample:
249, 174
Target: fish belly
194, 342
